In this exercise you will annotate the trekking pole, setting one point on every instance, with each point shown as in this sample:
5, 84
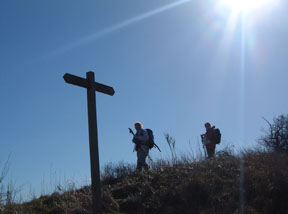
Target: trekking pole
157, 147
131, 132
205, 152
149, 157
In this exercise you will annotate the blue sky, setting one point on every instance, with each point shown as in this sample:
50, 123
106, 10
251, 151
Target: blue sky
174, 65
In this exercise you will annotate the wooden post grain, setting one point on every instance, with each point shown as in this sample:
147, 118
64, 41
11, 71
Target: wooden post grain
93, 144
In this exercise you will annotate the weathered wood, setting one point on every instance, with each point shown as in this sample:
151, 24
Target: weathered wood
103, 88
93, 143
79, 81
92, 86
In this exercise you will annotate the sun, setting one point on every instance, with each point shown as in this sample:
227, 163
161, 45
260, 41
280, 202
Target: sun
246, 5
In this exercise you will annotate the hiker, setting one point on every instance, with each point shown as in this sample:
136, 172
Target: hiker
141, 139
209, 140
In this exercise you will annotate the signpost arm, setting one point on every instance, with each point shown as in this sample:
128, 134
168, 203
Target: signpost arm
93, 143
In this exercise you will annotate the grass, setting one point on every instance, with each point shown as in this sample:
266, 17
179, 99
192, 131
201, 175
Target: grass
253, 182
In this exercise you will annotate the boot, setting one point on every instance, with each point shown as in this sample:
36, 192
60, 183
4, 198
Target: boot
146, 167
139, 167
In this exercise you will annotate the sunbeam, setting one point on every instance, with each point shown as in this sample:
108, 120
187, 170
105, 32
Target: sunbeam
109, 30
247, 5
242, 73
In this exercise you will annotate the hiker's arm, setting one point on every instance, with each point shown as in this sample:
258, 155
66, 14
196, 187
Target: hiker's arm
135, 140
142, 138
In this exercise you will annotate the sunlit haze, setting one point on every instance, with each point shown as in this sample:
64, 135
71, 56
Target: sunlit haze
247, 5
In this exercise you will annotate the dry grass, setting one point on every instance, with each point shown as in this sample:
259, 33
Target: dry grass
254, 182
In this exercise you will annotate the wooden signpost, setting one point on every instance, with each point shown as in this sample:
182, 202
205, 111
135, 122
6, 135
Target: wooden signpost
92, 86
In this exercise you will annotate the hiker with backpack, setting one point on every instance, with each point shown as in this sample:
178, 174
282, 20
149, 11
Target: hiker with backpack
141, 140
210, 139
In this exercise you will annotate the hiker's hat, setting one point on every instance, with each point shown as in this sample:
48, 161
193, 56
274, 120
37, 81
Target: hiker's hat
207, 124
138, 123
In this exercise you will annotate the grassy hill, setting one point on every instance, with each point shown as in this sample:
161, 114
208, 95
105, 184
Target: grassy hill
256, 182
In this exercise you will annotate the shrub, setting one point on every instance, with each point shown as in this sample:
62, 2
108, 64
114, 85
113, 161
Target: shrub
276, 136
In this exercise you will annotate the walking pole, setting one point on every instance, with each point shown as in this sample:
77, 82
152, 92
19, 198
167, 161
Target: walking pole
204, 147
205, 150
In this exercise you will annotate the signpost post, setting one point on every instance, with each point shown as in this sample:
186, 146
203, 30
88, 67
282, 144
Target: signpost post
92, 86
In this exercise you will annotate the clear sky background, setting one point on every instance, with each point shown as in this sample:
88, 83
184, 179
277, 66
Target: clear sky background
174, 65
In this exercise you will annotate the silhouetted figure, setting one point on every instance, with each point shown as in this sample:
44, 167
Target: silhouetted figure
141, 139
209, 140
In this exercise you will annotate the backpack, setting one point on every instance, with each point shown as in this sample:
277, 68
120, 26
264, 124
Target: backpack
151, 138
217, 139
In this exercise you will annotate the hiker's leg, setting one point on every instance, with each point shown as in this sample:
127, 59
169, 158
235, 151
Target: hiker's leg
145, 154
139, 167
140, 159
145, 166
213, 152
210, 153
139, 163
142, 154
207, 150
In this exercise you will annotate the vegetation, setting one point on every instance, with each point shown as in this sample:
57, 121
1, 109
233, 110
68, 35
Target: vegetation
276, 136
253, 182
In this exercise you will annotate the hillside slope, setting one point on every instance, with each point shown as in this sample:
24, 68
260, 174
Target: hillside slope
256, 183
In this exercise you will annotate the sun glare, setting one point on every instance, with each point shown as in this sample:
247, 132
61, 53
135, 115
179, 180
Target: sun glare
246, 5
